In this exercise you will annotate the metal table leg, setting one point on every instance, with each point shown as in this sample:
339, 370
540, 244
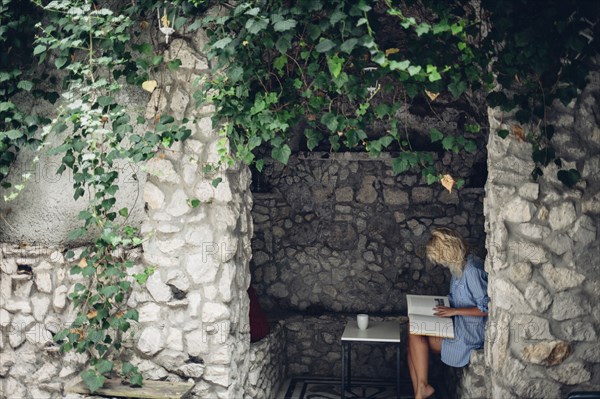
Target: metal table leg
398, 371
349, 376
343, 370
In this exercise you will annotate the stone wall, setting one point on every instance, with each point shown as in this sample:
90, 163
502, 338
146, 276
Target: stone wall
268, 365
471, 381
198, 292
543, 258
193, 319
34, 282
339, 232
314, 349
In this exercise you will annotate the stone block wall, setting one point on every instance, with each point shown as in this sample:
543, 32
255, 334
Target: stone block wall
339, 232
471, 381
198, 306
268, 365
34, 282
193, 310
543, 258
314, 348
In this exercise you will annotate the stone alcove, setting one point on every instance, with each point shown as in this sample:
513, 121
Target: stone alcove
542, 256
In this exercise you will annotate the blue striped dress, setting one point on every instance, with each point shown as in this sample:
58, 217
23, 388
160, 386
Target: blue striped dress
467, 291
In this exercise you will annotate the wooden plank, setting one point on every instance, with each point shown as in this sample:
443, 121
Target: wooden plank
150, 390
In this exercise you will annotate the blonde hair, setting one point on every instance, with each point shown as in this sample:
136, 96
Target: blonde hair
448, 248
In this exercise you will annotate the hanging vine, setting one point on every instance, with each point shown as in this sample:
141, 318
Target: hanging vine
329, 67
92, 47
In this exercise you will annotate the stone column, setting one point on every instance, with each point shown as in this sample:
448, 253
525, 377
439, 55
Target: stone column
543, 258
196, 314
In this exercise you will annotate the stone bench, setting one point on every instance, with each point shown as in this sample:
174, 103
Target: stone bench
267, 364
470, 380
310, 346
150, 390
305, 345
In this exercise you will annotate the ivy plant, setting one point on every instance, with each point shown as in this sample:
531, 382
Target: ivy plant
332, 70
92, 46
322, 66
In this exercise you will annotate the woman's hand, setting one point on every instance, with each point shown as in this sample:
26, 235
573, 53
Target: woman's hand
444, 311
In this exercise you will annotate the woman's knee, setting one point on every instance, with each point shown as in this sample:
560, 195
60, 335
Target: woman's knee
435, 343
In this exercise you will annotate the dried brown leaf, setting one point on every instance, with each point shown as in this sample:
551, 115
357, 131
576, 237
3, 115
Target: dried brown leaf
432, 96
518, 132
448, 182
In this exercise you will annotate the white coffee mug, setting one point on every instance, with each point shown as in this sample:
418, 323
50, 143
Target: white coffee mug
363, 321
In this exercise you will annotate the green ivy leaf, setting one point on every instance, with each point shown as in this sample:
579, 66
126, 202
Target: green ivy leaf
220, 44
503, 133
127, 368
422, 28
92, 380
471, 146
105, 101
402, 65
569, 177
431, 178
336, 17
404, 162
215, 182
284, 43
414, 69
281, 154
348, 45
6, 105
436, 135
543, 156
157, 60
330, 120
335, 65
25, 85
60, 62
132, 314
40, 48
14, 134
457, 88
279, 63
108, 203
109, 291
379, 58
284, 25
174, 65
254, 26
313, 138
136, 380
104, 366
448, 142
324, 46
193, 202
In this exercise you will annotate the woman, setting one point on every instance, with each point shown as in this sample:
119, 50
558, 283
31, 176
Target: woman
468, 307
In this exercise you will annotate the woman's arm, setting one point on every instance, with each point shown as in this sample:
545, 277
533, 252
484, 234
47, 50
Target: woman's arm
444, 311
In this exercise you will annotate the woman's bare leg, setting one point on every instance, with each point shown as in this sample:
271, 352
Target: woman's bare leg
411, 369
418, 347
